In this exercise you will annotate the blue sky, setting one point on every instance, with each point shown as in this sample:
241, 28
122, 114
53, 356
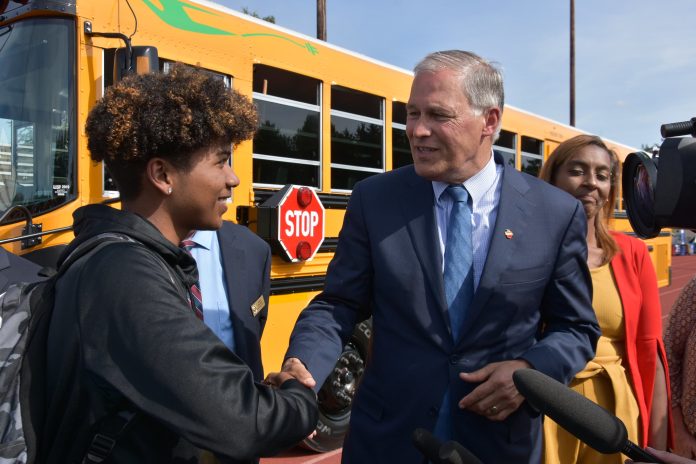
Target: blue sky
635, 60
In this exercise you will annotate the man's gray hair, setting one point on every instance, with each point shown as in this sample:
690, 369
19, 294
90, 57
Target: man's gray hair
482, 81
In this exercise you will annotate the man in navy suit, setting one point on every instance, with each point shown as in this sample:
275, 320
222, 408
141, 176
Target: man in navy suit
531, 295
234, 272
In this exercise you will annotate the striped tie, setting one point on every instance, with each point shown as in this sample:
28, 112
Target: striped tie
195, 297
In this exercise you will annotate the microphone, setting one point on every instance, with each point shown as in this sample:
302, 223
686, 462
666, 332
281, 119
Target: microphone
454, 453
427, 444
436, 452
581, 417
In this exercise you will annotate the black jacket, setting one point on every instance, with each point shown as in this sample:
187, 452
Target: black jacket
123, 332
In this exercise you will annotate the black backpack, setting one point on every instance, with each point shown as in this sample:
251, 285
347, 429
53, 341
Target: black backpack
25, 314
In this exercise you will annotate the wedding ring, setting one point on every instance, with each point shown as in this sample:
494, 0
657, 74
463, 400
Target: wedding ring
493, 410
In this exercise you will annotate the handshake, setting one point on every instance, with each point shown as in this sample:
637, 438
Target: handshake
293, 368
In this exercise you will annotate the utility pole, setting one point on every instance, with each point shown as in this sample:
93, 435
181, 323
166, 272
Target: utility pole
321, 20
572, 63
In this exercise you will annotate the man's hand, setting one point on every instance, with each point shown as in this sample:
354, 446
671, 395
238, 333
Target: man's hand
292, 368
497, 397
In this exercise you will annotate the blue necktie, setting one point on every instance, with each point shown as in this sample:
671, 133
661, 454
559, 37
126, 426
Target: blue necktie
459, 285
459, 257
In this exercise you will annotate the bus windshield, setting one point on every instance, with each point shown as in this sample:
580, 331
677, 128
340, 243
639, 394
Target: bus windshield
37, 146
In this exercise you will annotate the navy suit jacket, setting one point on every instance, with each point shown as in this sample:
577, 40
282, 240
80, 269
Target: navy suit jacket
15, 269
246, 261
533, 302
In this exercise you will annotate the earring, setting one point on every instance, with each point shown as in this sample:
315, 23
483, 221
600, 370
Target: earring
169, 191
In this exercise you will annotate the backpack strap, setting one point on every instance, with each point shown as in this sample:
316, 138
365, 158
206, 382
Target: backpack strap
112, 427
92, 245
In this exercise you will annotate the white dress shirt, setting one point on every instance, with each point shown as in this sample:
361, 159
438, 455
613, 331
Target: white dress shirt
484, 188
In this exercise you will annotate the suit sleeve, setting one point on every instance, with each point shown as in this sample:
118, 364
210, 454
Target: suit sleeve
569, 331
147, 344
327, 323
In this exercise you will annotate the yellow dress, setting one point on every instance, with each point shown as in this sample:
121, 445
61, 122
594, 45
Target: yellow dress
603, 380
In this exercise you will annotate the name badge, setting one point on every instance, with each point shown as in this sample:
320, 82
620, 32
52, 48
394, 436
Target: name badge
257, 306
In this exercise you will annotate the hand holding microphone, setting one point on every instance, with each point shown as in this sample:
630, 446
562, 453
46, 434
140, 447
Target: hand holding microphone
581, 417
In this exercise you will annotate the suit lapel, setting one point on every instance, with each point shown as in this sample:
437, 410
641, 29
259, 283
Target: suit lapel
513, 210
418, 205
234, 259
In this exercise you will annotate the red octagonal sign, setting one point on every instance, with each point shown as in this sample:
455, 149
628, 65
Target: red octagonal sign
300, 223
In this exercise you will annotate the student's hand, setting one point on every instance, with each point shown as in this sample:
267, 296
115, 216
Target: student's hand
496, 397
276, 379
666, 457
292, 368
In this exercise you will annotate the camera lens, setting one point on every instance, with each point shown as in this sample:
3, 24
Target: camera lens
639, 180
645, 195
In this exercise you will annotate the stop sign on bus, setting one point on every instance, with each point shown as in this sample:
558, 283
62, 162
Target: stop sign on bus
295, 225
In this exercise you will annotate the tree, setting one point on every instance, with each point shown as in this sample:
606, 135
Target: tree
270, 19
650, 148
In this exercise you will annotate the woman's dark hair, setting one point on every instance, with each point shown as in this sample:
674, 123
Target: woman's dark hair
167, 116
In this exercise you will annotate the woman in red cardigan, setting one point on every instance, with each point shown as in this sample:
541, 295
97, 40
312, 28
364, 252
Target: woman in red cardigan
628, 374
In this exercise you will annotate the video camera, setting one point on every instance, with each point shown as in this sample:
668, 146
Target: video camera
665, 198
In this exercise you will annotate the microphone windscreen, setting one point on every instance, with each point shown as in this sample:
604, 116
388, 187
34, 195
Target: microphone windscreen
427, 444
452, 452
581, 417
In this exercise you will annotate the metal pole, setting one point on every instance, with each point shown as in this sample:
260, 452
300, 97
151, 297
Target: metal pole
321, 20
572, 63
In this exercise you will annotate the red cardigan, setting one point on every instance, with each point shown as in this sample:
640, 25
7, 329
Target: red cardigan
637, 285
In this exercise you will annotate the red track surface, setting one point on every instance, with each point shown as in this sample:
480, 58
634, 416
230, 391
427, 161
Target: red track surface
683, 268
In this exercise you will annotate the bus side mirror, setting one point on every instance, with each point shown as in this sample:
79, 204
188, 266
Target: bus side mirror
143, 60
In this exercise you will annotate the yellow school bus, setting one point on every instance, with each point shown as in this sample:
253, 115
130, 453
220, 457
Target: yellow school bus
329, 117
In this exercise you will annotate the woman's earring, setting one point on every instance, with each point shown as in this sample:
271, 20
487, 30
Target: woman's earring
169, 191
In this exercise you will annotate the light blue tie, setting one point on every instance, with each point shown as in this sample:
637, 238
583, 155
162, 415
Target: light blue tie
459, 256
459, 285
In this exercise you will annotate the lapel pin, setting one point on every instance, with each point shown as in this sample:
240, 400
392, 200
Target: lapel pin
508, 234
258, 305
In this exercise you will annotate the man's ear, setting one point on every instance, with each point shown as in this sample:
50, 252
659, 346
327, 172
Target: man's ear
492, 120
160, 174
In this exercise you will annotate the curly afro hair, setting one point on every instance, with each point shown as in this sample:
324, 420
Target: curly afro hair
167, 116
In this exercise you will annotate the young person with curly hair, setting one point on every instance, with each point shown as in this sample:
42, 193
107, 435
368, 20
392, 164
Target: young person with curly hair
124, 335
628, 375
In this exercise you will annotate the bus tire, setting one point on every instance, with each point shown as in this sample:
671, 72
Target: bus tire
336, 395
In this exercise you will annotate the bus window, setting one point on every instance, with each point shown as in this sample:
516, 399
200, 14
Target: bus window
357, 136
166, 65
37, 149
506, 145
287, 145
532, 155
401, 150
